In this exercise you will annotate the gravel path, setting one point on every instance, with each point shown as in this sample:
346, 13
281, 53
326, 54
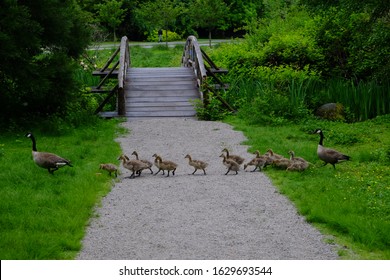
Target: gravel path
196, 216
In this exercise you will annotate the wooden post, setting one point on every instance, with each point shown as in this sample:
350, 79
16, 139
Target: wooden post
121, 102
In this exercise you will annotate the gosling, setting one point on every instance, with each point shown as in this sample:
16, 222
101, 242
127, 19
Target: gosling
157, 163
236, 158
165, 165
281, 163
230, 164
148, 163
259, 162
111, 168
135, 166
197, 164
297, 163
273, 156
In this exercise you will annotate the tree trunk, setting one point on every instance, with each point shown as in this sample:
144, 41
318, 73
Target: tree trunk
166, 37
210, 38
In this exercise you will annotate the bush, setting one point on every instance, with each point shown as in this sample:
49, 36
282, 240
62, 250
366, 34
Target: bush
172, 36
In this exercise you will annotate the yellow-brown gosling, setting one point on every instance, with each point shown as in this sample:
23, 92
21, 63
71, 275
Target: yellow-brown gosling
148, 163
49, 161
111, 168
236, 158
329, 155
165, 165
157, 163
297, 163
230, 164
270, 153
281, 163
259, 162
197, 164
135, 166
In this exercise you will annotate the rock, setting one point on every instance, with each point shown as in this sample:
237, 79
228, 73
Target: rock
331, 111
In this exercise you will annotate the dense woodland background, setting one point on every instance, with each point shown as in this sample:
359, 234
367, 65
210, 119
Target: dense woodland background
322, 48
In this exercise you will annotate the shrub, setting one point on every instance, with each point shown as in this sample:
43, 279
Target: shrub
172, 36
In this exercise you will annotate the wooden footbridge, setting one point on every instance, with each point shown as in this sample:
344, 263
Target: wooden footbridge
159, 92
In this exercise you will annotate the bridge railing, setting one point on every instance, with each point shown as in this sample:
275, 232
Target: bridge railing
124, 64
195, 57
118, 71
192, 57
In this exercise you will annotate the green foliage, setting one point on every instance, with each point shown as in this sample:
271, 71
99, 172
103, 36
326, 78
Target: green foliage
210, 14
43, 216
210, 110
160, 14
301, 62
111, 13
169, 36
354, 36
352, 202
364, 100
36, 63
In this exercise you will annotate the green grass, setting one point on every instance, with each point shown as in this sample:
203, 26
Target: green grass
352, 202
43, 216
156, 56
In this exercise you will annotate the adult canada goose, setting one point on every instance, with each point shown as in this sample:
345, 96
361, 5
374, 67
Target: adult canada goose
111, 168
230, 164
236, 158
197, 164
329, 155
165, 165
148, 163
49, 161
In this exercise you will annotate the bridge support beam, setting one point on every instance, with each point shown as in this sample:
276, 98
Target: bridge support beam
121, 102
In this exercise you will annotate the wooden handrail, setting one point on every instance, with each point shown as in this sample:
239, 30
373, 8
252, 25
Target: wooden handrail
124, 63
192, 57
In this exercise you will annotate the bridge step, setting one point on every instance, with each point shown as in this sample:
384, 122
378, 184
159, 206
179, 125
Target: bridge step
160, 92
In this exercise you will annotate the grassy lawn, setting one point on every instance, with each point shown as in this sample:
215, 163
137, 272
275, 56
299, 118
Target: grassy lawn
352, 203
43, 216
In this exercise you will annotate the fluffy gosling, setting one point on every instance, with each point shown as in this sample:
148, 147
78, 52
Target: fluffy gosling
135, 166
165, 165
197, 164
148, 163
236, 158
297, 163
230, 164
259, 162
110, 168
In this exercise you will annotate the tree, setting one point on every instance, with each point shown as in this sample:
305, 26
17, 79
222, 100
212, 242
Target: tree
354, 36
210, 14
160, 14
38, 41
111, 13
